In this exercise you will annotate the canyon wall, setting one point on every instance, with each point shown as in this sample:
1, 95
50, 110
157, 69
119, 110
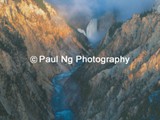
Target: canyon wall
31, 28
124, 92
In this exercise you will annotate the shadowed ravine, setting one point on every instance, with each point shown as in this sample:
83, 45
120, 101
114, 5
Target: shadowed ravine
61, 98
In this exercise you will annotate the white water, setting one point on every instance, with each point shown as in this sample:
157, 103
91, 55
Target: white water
82, 31
91, 29
92, 32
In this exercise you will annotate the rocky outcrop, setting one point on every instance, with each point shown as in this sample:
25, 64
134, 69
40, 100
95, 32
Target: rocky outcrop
21, 98
122, 92
108, 92
30, 28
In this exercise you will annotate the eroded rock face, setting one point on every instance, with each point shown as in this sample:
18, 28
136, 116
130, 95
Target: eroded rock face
21, 98
121, 92
31, 28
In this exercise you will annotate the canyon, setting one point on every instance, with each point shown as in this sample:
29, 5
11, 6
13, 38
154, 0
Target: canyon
78, 91
30, 28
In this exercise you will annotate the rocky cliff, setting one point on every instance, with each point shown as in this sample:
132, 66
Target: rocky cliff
94, 91
31, 27
124, 92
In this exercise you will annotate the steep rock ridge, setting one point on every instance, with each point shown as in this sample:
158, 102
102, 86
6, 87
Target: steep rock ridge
21, 98
28, 29
43, 35
120, 92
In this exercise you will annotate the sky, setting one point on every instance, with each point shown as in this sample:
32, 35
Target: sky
123, 9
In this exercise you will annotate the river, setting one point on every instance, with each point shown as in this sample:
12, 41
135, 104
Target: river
61, 99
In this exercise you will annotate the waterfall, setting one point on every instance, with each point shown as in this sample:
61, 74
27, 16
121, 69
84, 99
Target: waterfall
91, 28
92, 32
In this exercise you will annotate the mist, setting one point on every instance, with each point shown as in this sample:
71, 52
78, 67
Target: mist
81, 14
123, 9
